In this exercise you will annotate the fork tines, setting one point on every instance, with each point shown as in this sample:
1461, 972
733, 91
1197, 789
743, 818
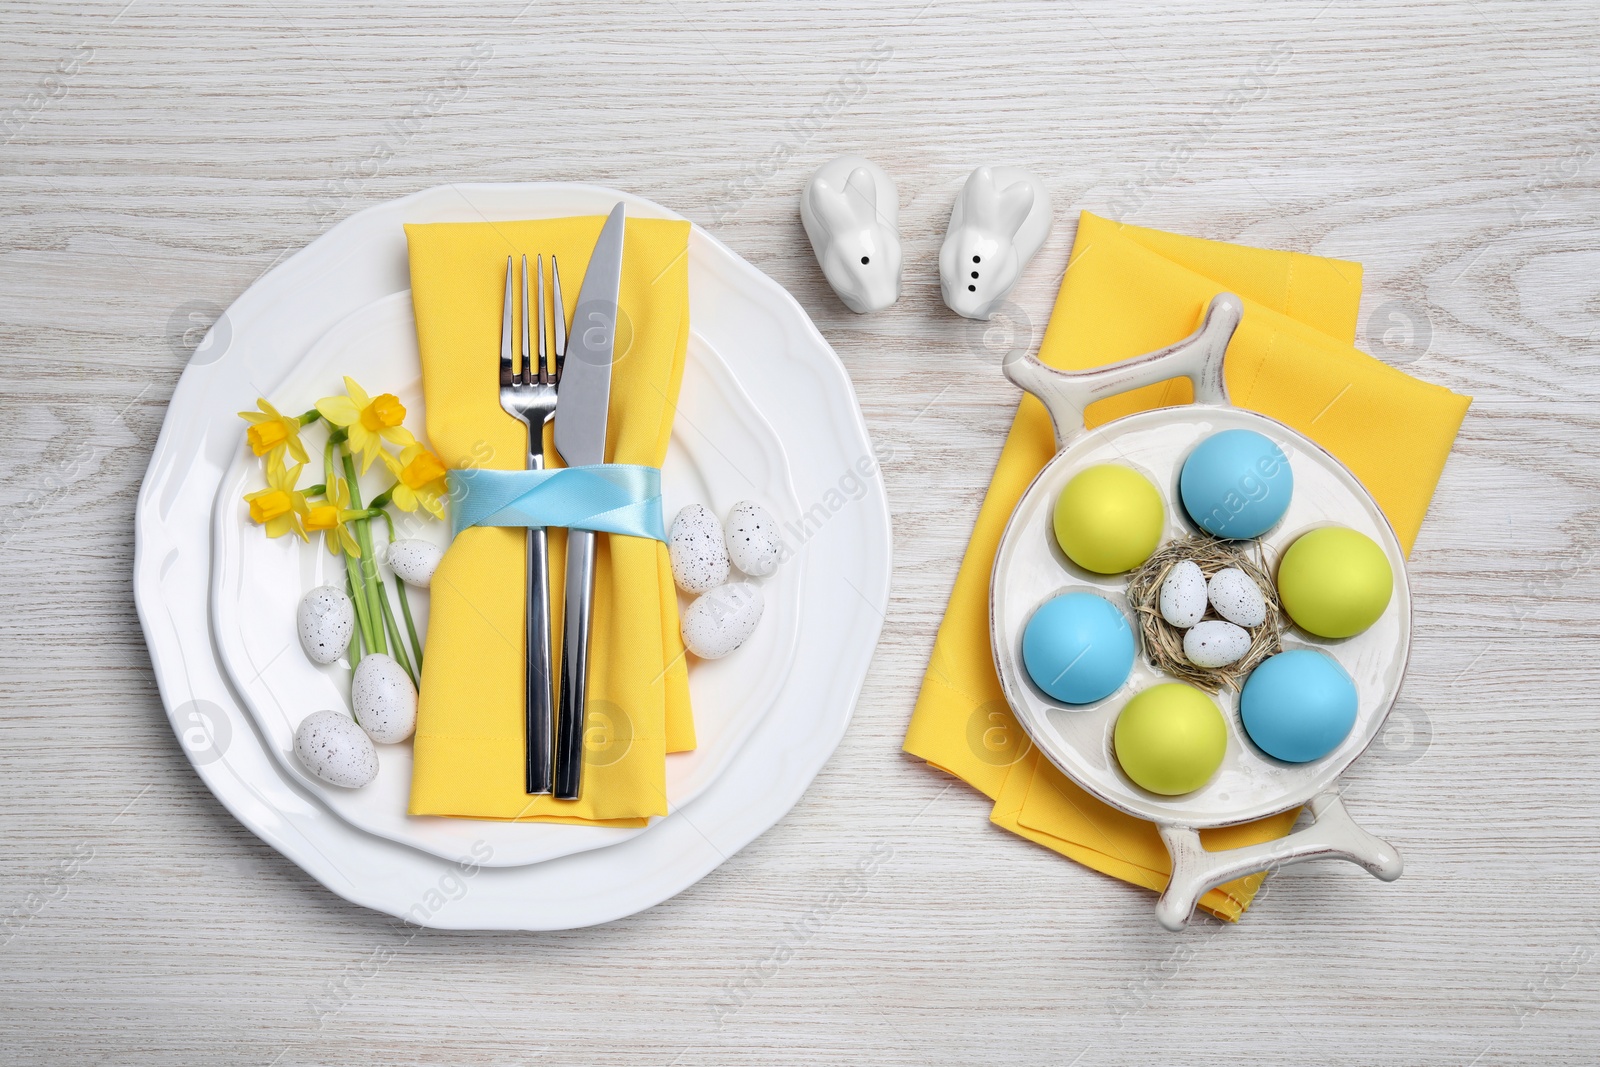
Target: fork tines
511, 374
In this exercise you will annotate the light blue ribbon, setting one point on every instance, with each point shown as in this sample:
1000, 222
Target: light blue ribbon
612, 497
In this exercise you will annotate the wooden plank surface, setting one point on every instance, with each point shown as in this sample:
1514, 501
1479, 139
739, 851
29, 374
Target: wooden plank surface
156, 158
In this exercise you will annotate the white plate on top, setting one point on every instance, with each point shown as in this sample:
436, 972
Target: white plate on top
791, 377
721, 451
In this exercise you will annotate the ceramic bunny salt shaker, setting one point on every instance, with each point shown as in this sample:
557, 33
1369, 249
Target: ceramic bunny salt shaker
1001, 218
851, 213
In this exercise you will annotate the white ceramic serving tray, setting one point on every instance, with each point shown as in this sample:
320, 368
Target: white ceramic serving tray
722, 451
790, 375
1030, 568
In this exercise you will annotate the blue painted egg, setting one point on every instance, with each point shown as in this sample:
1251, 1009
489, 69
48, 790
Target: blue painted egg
1078, 648
1298, 706
1236, 484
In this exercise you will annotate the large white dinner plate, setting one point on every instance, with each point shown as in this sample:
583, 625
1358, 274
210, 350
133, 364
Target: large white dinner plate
792, 378
722, 451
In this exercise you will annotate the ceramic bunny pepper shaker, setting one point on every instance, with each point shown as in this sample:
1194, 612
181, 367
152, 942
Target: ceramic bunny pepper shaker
851, 212
1001, 218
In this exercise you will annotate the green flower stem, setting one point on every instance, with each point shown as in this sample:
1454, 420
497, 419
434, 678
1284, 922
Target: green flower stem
394, 633
388, 612
309, 417
358, 596
369, 562
328, 477
317, 490
405, 606
355, 638
411, 627
354, 570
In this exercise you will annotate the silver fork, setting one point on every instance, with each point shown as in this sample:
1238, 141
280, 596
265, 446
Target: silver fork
531, 397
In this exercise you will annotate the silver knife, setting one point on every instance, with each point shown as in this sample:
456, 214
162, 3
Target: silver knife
584, 395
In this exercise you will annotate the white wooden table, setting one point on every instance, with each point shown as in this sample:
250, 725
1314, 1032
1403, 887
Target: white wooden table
158, 158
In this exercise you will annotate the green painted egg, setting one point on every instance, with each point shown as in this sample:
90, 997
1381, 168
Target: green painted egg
1109, 519
1335, 582
1170, 739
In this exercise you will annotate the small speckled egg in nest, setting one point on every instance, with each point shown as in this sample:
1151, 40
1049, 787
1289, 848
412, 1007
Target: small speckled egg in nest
1236, 597
1215, 643
1183, 595
697, 551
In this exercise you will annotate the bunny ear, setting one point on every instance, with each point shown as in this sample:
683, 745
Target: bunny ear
830, 206
979, 190
977, 198
1012, 207
862, 194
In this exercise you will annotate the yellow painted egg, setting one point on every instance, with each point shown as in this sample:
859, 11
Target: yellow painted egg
1170, 739
1109, 519
1335, 582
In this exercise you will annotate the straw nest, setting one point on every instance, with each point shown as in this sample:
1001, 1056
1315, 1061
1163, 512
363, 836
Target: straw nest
1163, 642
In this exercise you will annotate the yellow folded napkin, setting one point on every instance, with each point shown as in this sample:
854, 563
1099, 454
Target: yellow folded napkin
469, 744
1128, 291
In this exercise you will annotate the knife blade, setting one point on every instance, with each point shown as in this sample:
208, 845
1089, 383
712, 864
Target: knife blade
585, 389
584, 394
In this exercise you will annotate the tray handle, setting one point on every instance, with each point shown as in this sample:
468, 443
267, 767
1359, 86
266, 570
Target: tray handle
1197, 357
1331, 835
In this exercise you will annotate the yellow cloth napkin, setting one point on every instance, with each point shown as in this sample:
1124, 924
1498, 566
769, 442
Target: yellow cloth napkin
469, 744
1128, 291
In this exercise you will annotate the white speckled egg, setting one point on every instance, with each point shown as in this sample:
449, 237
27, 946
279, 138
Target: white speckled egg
1215, 643
1183, 594
331, 746
326, 620
753, 542
1237, 598
695, 546
722, 620
414, 561
384, 699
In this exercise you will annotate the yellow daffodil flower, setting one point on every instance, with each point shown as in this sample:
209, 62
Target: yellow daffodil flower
419, 479
279, 507
367, 421
272, 433
332, 519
